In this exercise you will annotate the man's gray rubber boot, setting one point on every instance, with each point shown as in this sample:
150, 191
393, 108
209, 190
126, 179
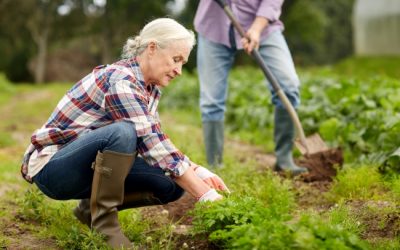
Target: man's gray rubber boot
213, 133
284, 133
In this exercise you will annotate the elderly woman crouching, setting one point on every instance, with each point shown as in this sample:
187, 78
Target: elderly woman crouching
103, 143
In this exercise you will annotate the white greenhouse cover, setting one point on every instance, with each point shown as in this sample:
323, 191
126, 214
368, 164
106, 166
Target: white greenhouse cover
377, 27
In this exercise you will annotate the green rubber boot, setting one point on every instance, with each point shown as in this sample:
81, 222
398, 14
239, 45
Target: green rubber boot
213, 133
284, 133
131, 200
110, 171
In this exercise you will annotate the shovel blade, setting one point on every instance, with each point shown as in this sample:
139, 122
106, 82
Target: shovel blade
314, 143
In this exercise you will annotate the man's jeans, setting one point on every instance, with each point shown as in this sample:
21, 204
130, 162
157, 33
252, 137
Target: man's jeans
68, 175
215, 60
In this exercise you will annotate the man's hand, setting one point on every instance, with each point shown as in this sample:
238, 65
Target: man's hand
252, 39
211, 179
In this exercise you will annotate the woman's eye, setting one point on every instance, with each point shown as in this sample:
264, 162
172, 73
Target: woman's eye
177, 59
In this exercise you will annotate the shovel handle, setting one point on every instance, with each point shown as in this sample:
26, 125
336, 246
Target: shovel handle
222, 3
268, 74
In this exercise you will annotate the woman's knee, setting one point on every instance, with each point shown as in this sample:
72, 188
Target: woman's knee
170, 192
171, 195
123, 137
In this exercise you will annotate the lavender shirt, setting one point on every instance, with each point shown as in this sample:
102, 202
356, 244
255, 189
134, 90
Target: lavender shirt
212, 22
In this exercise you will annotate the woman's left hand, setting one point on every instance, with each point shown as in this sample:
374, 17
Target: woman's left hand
211, 179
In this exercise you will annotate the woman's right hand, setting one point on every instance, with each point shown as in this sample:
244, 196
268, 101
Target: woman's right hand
211, 179
195, 186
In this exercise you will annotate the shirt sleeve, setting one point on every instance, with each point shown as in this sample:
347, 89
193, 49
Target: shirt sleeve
270, 9
128, 101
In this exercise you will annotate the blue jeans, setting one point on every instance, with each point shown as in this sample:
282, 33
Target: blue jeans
215, 60
68, 174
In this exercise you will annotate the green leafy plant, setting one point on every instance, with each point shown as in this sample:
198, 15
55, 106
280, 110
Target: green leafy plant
32, 205
342, 216
246, 223
363, 182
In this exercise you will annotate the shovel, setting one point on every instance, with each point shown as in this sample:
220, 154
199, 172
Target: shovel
307, 146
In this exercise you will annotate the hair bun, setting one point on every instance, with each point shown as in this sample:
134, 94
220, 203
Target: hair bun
138, 41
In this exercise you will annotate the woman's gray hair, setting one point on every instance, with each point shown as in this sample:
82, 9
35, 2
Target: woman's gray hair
162, 31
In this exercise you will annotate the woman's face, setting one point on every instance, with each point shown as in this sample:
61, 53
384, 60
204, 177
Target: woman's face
164, 64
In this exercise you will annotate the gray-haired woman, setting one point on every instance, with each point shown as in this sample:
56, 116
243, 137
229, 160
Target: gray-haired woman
103, 143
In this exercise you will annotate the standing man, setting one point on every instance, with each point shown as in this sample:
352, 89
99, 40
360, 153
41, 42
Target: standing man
218, 43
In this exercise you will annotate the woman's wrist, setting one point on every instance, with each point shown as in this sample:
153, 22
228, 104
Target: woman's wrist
191, 183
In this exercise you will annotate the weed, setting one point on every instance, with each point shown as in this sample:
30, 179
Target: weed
3, 242
245, 223
363, 182
312, 232
342, 216
386, 244
394, 186
132, 224
31, 205
76, 238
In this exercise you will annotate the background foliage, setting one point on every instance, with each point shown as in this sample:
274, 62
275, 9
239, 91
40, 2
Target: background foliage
38, 43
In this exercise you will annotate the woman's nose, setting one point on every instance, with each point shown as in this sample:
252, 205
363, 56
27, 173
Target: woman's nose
178, 70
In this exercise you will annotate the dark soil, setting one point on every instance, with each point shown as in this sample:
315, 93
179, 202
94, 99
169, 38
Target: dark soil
378, 226
322, 166
178, 209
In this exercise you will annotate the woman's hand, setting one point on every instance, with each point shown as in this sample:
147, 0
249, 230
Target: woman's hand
211, 195
211, 179
195, 186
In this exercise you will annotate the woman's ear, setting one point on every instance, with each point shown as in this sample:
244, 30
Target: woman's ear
152, 47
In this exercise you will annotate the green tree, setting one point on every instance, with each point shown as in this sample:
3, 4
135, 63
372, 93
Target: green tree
318, 31
29, 28
119, 19
15, 48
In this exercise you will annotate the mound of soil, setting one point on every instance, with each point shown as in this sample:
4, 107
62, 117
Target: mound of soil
322, 166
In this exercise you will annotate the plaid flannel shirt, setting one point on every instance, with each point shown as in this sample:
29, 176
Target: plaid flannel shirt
110, 93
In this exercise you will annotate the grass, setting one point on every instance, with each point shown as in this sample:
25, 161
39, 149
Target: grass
358, 183
394, 185
341, 215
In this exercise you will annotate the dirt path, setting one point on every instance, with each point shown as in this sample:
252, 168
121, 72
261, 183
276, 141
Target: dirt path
16, 233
